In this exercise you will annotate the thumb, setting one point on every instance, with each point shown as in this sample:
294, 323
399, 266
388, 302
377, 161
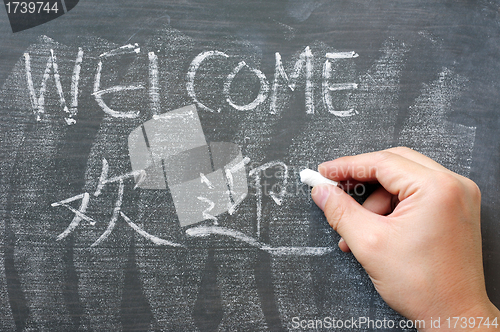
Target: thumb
346, 216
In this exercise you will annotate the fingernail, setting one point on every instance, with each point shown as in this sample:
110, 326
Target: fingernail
320, 195
321, 169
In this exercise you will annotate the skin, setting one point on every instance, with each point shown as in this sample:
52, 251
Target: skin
418, 236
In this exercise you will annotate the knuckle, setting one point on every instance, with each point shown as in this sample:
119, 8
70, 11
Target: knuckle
453, 189
385, 155
461, 187
473, 190
373, 242
401, 149
448, 182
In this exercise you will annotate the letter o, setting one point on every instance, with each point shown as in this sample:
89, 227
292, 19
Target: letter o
261, 97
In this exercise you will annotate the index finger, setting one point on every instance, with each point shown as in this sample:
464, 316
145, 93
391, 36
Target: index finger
398, 175
418, 158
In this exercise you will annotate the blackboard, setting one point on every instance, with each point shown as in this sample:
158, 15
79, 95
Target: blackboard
150, 153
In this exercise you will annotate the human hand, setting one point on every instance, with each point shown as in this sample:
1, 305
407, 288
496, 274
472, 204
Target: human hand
418, 236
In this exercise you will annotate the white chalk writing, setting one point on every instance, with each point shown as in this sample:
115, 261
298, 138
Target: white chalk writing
303, 67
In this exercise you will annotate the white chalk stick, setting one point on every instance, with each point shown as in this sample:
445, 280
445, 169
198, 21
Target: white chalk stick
313, 178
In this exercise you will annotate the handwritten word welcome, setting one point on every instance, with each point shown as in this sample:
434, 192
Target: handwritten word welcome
303, 70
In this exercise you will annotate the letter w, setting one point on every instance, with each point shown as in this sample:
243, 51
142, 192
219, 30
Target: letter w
38, 101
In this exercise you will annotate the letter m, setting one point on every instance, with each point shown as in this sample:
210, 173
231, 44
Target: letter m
304, 63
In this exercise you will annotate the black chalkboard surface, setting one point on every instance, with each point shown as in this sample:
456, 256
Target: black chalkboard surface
150, 153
